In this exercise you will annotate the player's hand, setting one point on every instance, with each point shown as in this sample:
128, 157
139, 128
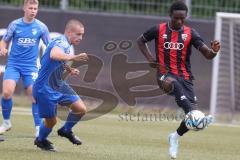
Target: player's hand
215, 45
74, 71
3, 52
81, 57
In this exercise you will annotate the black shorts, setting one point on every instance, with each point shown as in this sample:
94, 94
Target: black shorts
187, 86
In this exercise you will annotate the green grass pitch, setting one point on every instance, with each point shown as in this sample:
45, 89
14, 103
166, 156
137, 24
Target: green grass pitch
111, 138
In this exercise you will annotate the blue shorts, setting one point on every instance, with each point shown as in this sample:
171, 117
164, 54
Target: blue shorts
28, 74
48, 100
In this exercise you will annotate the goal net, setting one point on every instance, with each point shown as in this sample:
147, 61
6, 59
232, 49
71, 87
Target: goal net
225, 91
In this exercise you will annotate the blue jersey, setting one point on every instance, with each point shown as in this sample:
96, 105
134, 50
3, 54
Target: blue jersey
25, 41
51, 71
49, 88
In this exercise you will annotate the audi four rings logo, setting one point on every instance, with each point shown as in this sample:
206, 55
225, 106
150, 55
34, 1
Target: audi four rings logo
173, 45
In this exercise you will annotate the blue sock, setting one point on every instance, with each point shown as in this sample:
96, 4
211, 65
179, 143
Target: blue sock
71, 121
6, 108
43, 132
37, 119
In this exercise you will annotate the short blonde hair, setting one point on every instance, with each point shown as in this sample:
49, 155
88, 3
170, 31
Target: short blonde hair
31, 2
72, 23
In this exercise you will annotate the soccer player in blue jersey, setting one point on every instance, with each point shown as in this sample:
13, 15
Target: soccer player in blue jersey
25, 34
173, 43
50, 89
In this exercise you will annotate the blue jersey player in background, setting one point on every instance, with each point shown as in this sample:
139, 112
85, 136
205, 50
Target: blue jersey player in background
25, 34
50, 89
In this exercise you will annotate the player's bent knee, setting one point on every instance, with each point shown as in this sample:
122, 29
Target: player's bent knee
166, 83
7, 94
167, 87
81, 110
79, 107
8, 88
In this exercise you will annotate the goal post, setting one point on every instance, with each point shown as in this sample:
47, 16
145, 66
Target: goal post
225, 88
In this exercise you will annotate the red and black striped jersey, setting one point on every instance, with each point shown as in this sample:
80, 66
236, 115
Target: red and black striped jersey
173, 48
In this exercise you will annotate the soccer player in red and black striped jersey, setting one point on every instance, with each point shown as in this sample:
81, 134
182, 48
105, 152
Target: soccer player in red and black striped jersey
173, 43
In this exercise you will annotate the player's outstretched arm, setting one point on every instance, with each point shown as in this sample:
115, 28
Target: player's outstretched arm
79, 57
210, 53
3, 48
58, 54
146, 52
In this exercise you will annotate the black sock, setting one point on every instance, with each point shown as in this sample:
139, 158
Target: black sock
182, 129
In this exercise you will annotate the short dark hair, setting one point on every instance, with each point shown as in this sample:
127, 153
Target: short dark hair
178, 5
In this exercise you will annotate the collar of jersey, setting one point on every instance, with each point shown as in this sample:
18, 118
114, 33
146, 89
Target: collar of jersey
168, 24
28, 23
65, 38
